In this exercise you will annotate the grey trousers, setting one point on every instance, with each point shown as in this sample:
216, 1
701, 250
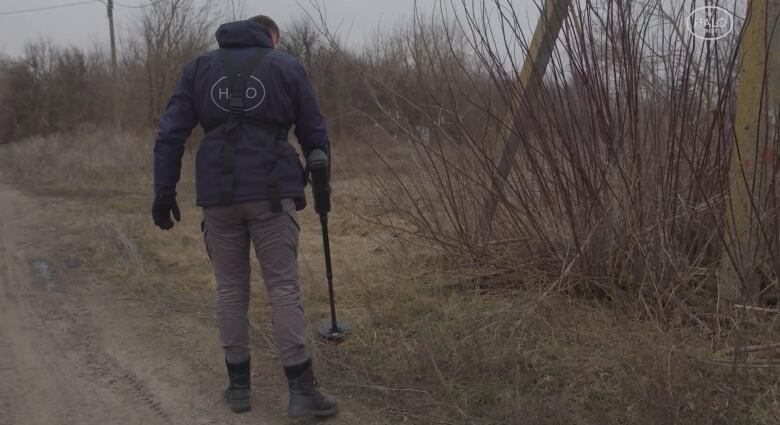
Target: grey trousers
228, 231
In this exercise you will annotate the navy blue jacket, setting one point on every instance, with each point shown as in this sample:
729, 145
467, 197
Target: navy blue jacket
278, 93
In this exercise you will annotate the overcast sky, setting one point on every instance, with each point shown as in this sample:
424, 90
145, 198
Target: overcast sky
86, 25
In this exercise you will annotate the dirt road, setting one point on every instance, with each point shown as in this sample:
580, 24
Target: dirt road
77, 350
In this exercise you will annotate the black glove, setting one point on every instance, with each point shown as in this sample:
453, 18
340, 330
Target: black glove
162, 208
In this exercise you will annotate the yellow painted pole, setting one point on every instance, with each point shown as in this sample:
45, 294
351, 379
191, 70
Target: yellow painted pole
757, 94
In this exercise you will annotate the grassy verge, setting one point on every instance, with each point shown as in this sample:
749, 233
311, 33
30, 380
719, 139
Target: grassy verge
426, 349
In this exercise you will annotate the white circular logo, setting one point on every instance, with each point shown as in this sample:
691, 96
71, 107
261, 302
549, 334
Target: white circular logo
710, 22
253, 97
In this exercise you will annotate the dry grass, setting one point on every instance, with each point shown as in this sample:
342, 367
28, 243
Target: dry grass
426, 348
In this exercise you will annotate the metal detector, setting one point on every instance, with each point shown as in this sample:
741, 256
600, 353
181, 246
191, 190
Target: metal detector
333, 329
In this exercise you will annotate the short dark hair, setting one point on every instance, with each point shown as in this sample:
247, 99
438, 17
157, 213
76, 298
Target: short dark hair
267, 23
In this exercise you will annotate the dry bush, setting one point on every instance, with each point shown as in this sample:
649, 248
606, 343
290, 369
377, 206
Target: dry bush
331, 74
86, 162
617, 190
616, 194
51, 89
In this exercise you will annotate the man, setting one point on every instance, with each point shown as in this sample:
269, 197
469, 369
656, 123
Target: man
246, 95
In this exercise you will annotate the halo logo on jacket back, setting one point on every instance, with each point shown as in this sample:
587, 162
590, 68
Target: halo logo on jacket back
253, 97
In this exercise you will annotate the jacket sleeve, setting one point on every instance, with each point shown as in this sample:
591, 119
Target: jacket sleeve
176, 124
310, 128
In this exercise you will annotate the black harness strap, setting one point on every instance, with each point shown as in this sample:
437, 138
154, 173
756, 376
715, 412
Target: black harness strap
238, 81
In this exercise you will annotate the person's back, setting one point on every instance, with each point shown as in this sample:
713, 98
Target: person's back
277, 96
246, 96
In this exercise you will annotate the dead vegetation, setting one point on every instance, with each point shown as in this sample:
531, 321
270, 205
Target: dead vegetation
430, 346
595, 300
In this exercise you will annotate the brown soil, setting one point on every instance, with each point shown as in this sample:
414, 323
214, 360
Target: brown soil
75, 349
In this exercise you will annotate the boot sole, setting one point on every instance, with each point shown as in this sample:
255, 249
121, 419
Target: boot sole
299, 413
238, 406
325, 413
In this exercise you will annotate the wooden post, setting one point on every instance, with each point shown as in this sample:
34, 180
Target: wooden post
550, 22
758, 92
114, 68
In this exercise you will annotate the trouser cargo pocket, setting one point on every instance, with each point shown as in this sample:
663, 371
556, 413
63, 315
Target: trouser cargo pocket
205, 237
294, 218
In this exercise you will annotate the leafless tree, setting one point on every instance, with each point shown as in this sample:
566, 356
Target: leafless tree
172, 33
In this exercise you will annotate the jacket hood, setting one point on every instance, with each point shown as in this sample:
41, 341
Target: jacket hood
243, 34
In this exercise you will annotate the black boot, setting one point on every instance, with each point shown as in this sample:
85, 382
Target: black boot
238, 393
305, 400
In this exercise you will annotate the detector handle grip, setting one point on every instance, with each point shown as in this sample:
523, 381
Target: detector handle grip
317, 163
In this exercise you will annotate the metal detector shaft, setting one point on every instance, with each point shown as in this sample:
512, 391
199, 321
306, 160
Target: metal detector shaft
329, 272
318, 166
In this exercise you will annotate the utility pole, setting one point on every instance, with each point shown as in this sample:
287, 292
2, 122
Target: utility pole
529, 81
114, 68
758, 99
110, 11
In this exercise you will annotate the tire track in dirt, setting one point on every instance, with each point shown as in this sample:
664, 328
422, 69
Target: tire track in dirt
54, 369
101, 366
